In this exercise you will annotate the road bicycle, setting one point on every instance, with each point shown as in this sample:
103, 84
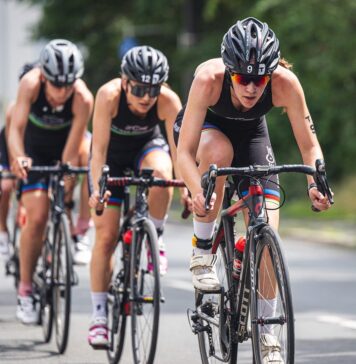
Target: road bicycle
241, 309
54, 275
135, 285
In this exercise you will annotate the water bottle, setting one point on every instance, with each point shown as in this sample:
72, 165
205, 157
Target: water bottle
238, 254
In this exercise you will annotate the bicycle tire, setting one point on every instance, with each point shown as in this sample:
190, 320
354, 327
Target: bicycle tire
226, 352
62, 279
145, 292
274, 283
45, 290
13, 264
118, 303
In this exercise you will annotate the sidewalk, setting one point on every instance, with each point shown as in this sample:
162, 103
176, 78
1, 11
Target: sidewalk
328, 232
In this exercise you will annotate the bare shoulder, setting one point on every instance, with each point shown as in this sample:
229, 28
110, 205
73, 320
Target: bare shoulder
285, 86
30, 84
110, 91
82, 92
168, 96
208, 80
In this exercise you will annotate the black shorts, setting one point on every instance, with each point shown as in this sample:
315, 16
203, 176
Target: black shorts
45, 148
4, 156
251, 144
129, 160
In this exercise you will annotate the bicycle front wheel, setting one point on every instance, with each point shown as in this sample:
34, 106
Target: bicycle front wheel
62, 268
272, 319
145, 293
118, 303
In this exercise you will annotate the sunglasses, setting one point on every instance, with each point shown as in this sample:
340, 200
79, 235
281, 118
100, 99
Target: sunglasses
142, 90
245, 79
61, 85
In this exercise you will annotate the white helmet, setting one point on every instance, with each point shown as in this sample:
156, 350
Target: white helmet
61, 62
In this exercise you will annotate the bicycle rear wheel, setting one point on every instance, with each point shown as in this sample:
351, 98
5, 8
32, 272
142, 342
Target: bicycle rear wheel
118, 303
272, 319
220, 337
62, 279
145, 293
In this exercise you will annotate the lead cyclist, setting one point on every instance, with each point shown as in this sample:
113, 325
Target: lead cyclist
224, 122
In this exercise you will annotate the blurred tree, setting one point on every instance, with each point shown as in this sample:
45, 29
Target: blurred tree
317, 36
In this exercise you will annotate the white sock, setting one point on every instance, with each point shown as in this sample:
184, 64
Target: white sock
99, 300
205, 231
267, 308
158, 223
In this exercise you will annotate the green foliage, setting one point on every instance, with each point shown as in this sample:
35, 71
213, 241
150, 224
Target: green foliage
317, 36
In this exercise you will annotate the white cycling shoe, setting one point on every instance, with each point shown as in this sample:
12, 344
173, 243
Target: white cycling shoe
203, 270
271, 349
27, 310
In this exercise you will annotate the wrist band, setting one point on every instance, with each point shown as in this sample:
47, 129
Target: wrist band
312, 185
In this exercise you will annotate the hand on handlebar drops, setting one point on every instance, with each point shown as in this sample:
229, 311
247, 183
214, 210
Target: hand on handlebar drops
20, 166
94, 200
318, 200
199, 204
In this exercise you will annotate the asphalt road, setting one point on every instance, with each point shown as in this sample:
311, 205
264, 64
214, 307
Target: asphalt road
324, 290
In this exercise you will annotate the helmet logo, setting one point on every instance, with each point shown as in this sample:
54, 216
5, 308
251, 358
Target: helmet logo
261, 69
147, 78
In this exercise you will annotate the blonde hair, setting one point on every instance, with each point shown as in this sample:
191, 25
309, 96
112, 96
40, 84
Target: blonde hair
284, 63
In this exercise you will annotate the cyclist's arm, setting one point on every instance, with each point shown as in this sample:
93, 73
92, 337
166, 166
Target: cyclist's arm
204, 91
105, 102
82, 109
289, 94
27, 93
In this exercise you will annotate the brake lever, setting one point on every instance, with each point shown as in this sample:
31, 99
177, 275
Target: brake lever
102, 187
321, 180
208, 184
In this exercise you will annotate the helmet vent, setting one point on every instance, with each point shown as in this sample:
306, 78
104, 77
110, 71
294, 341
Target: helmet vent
60, 64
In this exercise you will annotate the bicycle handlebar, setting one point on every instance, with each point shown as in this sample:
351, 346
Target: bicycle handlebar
146, 180
208, 179
60, 169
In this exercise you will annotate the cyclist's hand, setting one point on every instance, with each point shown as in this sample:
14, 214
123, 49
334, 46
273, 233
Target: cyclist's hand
185, 199
20, 166
199, 204
94, 200
319, 201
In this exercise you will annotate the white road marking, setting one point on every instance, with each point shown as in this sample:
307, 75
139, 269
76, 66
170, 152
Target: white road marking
338, 320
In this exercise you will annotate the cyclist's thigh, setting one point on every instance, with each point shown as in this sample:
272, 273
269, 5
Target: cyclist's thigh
84, 149
155, 155
214, 147
107, 226
36, 204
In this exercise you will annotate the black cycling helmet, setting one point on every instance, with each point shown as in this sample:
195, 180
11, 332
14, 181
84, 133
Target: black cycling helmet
61, 62
250, 47
146, 65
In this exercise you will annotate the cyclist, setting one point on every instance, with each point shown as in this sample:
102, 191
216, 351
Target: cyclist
224, 123
82, 251
48, 124
126, 134
6, 188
